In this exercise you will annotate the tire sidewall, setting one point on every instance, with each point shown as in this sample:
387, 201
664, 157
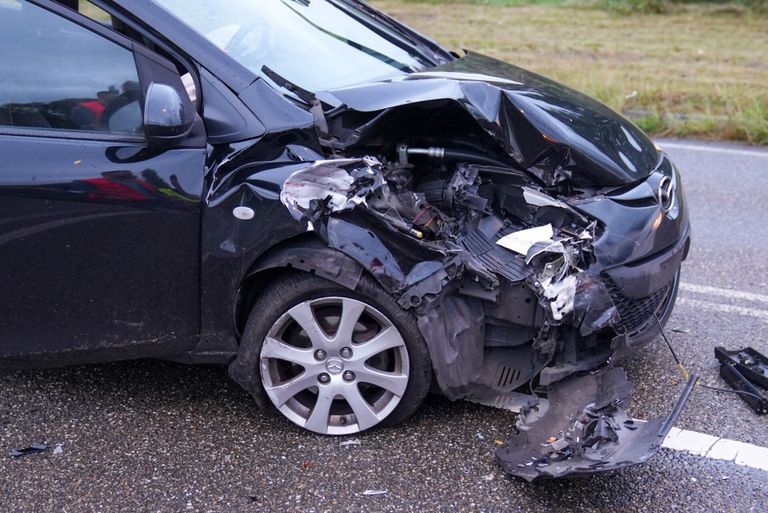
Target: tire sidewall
290, 290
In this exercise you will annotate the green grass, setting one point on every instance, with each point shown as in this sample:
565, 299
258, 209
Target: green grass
694, 71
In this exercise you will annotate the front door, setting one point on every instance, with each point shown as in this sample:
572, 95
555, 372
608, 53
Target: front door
99, 235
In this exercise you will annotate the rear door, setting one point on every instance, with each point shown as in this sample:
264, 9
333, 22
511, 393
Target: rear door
99, 235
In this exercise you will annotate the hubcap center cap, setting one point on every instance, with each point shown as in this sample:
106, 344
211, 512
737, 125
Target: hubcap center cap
334, 365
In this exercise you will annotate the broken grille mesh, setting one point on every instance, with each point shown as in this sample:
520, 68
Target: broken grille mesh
636, 314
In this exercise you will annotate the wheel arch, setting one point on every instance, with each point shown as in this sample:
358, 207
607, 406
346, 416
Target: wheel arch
304, 253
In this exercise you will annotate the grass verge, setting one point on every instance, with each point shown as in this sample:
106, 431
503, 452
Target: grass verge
695, 71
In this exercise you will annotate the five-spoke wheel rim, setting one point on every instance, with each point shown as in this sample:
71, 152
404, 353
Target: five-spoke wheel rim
334, 365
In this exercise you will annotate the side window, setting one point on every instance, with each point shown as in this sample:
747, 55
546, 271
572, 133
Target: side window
55, 74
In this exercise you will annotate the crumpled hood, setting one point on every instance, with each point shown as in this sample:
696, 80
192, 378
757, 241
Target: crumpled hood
537, 121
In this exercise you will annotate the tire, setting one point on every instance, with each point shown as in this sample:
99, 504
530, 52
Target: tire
311, 345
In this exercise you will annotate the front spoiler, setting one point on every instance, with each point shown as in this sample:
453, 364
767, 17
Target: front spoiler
586, 430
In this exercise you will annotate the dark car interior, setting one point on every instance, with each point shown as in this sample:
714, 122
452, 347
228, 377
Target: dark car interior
113, 106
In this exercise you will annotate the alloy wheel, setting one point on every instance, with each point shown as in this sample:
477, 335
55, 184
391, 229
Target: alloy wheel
334, 365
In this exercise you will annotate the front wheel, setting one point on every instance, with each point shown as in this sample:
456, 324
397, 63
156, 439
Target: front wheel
332, 360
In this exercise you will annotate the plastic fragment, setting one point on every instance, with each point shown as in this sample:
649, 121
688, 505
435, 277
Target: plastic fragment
522, 240
346, 443
33, 449
375, 492
58, 449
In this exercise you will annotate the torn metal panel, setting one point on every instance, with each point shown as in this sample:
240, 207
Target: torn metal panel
366, 248
586, 430
330, 186
555, 132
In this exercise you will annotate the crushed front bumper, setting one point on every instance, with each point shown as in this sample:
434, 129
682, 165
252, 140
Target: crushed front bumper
585, 429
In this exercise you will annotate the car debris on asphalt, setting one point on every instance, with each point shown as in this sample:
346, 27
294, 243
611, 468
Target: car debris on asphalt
375, 492
32, 449
745, 370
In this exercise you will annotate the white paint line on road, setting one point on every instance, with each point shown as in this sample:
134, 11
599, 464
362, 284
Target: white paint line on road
713, 149
729, 293
720, 307
708, 446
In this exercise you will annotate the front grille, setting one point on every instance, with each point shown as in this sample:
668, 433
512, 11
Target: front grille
637, 314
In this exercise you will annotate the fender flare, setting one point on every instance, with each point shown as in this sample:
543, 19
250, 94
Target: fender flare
312, 256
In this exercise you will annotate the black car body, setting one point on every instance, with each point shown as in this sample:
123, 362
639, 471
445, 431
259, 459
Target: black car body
157, 240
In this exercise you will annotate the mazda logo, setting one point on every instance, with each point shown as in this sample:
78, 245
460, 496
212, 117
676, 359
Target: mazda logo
666, 194
334, 365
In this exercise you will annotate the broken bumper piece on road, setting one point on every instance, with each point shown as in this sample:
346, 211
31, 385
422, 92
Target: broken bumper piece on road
586, 430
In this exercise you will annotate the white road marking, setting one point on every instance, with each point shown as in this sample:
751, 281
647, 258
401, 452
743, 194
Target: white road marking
713, 149
729, 293
708, 446
720, 307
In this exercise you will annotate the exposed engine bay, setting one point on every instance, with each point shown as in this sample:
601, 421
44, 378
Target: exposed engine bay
501, 273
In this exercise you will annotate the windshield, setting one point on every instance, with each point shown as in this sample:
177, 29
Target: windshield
315, 44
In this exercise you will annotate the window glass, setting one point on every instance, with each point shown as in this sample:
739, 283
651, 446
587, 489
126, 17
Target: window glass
316, 45
55, 74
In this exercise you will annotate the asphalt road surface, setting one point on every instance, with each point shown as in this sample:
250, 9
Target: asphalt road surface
155, 436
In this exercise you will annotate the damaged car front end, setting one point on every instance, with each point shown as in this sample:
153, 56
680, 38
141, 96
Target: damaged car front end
375, 211
535, 235
516, 284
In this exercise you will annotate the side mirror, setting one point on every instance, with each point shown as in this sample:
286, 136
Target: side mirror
168, 116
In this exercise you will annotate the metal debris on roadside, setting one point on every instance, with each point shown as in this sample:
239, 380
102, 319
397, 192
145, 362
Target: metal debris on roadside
743, 369
375, 492
33, 449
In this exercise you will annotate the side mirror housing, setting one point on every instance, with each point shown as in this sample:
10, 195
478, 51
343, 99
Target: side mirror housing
168, 116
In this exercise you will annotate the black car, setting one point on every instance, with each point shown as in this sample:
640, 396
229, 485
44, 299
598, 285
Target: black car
340, 210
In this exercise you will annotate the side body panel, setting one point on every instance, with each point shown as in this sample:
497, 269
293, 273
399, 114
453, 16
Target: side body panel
99, 246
